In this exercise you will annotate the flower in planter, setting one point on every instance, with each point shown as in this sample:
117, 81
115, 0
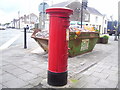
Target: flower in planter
104, 39
105, 36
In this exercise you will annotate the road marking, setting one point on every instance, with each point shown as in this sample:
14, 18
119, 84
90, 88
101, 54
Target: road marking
8, 43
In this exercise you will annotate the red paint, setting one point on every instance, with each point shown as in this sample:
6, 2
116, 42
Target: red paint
58, 47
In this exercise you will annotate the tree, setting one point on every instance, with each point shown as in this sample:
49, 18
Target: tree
6, 23
116, 33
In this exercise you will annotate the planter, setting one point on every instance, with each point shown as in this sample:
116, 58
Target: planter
102, 40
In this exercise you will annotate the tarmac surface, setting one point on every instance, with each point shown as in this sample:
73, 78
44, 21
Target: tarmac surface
27, 68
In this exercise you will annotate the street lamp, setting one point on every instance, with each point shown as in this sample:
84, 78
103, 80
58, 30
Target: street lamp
83, 6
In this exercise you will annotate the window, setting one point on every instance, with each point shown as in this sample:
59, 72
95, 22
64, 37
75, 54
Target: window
96, 19
78, 23
105, 21
86, 17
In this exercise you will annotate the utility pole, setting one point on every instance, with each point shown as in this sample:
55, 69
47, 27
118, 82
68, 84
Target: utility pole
83, 6
81, 14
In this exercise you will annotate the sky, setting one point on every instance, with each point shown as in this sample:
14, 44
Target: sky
9, 8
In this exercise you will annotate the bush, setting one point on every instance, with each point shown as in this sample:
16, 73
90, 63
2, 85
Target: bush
105, 36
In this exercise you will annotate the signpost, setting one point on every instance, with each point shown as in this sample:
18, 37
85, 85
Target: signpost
42, 7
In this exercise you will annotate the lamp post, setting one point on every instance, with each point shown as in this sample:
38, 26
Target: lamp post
83, 6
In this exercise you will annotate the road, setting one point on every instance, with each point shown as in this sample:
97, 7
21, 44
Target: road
12, 37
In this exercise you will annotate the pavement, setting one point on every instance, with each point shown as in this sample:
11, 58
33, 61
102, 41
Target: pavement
27, 68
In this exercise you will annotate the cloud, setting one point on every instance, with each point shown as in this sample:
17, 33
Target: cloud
9, 8
6, 18
9, 5
108, 7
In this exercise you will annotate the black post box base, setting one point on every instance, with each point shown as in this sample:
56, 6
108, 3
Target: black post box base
57, 79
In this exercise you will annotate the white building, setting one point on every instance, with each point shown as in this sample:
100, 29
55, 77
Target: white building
91, 16
96, 19
25, 20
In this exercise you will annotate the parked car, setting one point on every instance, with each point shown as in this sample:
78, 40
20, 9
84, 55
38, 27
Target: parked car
2, 27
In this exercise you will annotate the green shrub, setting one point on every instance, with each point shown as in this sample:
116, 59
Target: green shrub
105, 36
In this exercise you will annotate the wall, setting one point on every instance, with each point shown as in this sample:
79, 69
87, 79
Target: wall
97, 22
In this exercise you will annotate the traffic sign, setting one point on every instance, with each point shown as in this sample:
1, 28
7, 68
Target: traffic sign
42, 7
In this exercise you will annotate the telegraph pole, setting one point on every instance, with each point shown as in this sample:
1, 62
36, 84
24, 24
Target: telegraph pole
81, 14
83, 6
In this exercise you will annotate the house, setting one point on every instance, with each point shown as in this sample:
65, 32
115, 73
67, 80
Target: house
119, 16
25, 20
105, 24
91, 16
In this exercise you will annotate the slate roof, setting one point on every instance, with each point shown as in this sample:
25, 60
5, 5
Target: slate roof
91, 10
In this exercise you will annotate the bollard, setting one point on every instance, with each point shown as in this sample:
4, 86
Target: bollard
25, 39
58, 46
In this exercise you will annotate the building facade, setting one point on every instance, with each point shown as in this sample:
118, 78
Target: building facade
91, 16
23, 21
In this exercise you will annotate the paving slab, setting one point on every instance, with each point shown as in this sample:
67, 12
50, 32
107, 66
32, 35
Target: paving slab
89, 79
107, 84
91, 85
7, 77
36, 81
28, 67
17, 71
0, 86
27, 76
15, 83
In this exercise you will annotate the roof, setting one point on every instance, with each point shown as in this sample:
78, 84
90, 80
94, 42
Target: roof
62, 4
91, 10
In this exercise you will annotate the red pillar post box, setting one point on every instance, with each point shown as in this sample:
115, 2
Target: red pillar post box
58, 48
